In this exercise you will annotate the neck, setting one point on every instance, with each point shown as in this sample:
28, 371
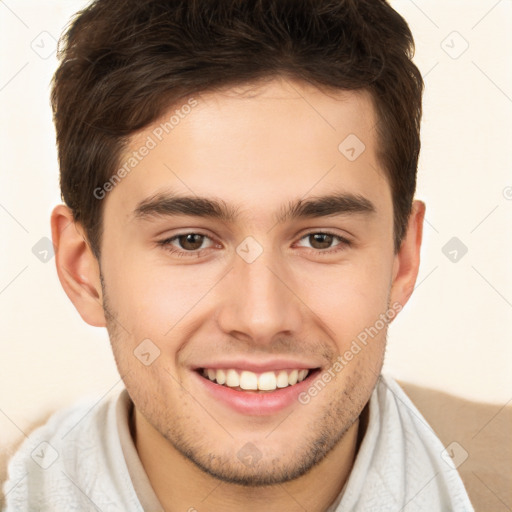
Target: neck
180, 485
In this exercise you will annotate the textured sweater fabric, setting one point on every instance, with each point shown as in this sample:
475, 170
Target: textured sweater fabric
83, 459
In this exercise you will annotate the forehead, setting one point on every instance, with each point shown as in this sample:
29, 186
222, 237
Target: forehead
259, 144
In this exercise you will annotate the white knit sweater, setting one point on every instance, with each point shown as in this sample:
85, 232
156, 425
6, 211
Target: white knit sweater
75, 462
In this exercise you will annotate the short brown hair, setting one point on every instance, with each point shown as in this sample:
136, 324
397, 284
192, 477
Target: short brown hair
124, 63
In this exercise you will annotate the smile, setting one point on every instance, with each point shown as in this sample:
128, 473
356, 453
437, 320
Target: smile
243, 380
255, 388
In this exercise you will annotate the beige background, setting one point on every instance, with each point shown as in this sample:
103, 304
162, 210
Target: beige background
455, 333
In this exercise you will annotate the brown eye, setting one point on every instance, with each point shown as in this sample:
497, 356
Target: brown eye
321, 240
190, 241
187, 244
323, 243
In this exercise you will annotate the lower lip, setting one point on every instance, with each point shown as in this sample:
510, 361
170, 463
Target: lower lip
253, 403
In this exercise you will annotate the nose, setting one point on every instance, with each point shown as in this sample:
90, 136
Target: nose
259, 302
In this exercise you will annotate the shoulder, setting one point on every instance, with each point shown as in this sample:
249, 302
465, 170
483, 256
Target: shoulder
476, 434
69, 451
415, 445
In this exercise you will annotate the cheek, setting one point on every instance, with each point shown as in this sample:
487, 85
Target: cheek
152, 298
348, 298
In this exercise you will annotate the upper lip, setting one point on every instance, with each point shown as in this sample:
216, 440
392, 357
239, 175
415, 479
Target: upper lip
258, 366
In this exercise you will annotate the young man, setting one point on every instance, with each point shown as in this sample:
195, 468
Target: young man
239, 179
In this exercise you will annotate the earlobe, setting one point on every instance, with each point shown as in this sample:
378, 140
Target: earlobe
407, 261
77, 267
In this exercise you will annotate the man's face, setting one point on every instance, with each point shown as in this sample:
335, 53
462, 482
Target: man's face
255, 293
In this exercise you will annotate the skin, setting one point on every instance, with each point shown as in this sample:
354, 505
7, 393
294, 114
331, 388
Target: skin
257, 152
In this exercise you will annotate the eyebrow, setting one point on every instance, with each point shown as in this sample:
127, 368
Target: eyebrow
168, 205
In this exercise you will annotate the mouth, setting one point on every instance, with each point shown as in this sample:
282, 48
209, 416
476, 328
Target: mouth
254, 388
257, 383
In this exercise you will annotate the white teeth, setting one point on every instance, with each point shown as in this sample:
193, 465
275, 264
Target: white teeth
282, 379
248, 380
232, 379
267, 381
221, 377
292, 378
302, 375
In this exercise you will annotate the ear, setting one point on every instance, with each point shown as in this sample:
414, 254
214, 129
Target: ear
407, 260
77, 267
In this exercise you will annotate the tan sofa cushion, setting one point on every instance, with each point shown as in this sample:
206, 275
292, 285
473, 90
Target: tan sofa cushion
484, 431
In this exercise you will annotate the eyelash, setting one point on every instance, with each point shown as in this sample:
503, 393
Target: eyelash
166, 244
